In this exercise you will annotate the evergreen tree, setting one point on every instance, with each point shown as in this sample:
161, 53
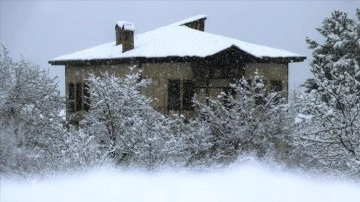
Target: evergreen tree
340, 51
329, 115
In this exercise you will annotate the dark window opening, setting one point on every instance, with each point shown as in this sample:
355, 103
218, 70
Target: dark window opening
71, 91
79, 96
276, 86
188, 94
86, 97
71, 98
174, 95
71, 106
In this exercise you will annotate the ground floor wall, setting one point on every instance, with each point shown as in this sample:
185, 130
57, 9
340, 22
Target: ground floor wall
180, 72
158, 73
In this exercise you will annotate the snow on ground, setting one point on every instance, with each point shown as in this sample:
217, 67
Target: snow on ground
245, 183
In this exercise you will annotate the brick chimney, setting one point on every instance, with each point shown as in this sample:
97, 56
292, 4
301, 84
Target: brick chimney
124, 32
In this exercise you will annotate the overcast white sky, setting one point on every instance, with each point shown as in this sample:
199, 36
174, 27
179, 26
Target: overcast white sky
42, 30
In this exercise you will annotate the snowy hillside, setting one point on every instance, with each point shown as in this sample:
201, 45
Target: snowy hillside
245, 183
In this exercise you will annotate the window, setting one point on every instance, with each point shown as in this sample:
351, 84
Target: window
180, 94
86, 97
78, 98
188, 94
174, 95
276, 86
71, 98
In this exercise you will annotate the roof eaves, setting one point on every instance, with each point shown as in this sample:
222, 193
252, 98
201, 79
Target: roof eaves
112, 61
284, 59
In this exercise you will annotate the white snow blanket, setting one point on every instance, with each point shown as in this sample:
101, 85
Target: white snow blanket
245, 183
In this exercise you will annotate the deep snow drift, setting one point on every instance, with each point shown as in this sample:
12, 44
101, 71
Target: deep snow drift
245, 183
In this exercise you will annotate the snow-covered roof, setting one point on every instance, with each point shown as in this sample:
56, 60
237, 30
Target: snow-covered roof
175, 40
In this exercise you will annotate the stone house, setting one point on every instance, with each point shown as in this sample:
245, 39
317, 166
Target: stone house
180, 59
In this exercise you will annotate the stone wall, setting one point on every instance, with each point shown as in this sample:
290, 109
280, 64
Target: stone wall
271, 72
160, 73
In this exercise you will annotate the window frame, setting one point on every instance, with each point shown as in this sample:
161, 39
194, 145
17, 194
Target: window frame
188, 93
184, 91
71, 97
86, 96
276, 86
174, 94
78, 98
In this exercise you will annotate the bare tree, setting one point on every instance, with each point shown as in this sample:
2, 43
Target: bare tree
29, 117
127, 128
